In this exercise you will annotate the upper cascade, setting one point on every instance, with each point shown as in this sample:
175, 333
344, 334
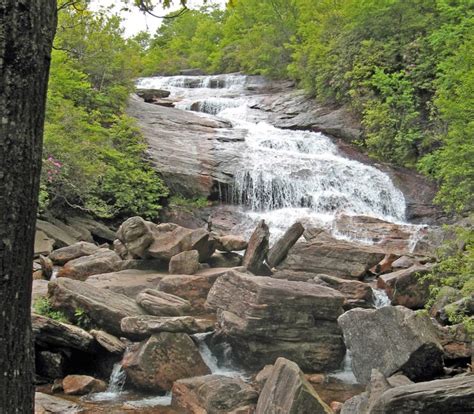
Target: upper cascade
284, 175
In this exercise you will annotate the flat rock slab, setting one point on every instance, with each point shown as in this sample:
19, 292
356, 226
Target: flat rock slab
391, 339
163, 359
109, 342
162, 304
282, 246
49, 404
43, 244
212, 394
74, 251
287, 391
144, 326
105, 308
82, 384
49, 332
127, 282
264, 318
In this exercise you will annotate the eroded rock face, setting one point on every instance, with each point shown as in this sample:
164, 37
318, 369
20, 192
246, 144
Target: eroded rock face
147, 325
162, 304
65, 254
102, 261
405, 287
105, 308
391, 339
288, 391
257, 249
82, 384
264, 318
453, 395
326, 255
212, 394
185, 263
162, 359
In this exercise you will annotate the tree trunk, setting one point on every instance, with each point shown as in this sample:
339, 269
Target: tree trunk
26, 33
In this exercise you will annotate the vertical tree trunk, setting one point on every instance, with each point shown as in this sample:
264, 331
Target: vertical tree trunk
26, 33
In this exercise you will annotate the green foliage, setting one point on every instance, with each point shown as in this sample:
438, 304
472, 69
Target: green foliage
42, 306
82, 319
188, 204
93, 154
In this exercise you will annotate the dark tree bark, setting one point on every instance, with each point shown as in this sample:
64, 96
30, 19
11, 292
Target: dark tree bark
26, 33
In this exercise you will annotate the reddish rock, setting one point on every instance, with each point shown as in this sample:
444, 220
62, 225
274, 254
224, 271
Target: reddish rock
82, 384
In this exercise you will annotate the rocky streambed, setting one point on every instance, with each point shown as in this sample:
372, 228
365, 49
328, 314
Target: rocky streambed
301, 293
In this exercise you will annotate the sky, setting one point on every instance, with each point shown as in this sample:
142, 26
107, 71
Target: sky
135, 21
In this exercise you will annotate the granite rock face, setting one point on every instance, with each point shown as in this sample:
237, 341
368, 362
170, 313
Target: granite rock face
391, 339
264, 318
287, 391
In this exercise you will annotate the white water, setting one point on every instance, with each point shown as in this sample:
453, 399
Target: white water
116, 384
345, 374
285, 175
381, 298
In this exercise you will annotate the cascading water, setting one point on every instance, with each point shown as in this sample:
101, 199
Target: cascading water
116, 383
381, 298
285, 175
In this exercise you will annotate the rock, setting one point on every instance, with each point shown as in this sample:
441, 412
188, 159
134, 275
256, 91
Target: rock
61, 237
82, 384
48, 332
49, 404
257, 248
170, 239
327, 255
212, 394
163, 359
358, 404
225, 260
150, 95
184, 147
102, 261
162, 304
109, 342
155, 265
456, 341
100, 232
357, 294
127, 282
40, 290
262, 376
50, 364
193, 288
263, 318
453, 395
231, 243
287, 391
459, 309
185, 263
385, 265
74, 251
43, 244
391, 339
445, 296
105, 308
136, 235
403, 262
336, 406
144, 326
46, 266
405, 287
280, 249
121, 250
377, 386
398, 380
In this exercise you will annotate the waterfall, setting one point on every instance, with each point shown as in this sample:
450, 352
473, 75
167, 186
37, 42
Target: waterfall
116, 383
381, 298
345, 374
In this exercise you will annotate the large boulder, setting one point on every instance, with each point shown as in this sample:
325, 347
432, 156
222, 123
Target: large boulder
231, 243
49, 364
264, 318
287, 391
212, 394
43, 244
194, 288
358, 294
104, 308
257, 249
453, 395
102, 261
405, 287
162, 304
161, 360
457, 342
327, 255
49, 332
391, 339
185, 263
82, 384
136, 235
109, 342
62, 237
127, 282
49, 404
282, 246
144, 326
74, 251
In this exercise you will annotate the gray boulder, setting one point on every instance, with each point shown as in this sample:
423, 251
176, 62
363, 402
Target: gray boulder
287, 391
391, 339
264, 318
257, 249
74, 251
231, 243
185, 263
136, 235
280, 249
162, 304
105, 308
109, 342
49, 404
43, 244
102, 261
